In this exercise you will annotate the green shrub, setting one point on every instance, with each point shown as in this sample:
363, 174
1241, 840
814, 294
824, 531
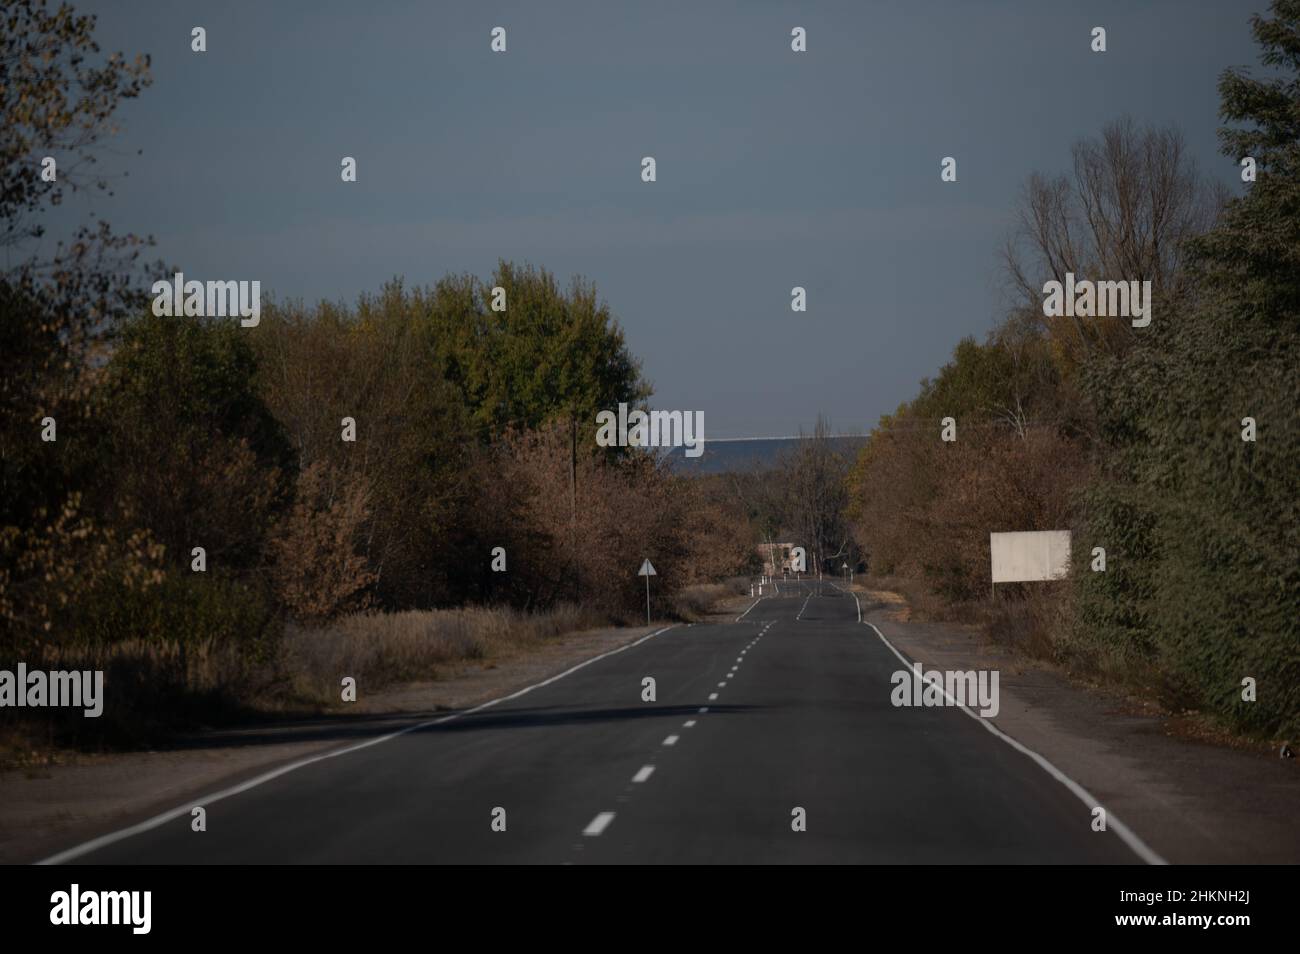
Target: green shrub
188, 609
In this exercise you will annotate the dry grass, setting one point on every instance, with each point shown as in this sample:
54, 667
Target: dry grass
379, 649
150, 689
923, 604
694, 603
1034, 621
153, 690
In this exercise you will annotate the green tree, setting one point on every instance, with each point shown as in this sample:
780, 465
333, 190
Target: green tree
551, 354
1205, 526
196, 456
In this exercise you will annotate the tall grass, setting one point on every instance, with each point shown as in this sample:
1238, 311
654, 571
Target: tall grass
153, 689
381, 649
150, 689
694, 603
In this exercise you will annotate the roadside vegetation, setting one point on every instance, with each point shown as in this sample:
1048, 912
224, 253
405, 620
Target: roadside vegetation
1130, 438
380, 489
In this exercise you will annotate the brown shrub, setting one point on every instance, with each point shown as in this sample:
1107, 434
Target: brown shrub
587, 542
924, 508
48, 571
317, 567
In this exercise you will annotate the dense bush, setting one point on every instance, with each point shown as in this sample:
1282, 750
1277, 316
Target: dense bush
1210, 586
187, 609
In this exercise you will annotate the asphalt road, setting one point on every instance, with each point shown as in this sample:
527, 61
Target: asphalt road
787, 708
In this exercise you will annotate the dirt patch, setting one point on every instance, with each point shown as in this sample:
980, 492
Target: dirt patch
891, 604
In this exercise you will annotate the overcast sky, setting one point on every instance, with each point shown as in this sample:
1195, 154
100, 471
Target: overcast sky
775, 169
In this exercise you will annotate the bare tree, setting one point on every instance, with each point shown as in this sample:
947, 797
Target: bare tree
814, 476
1133, 199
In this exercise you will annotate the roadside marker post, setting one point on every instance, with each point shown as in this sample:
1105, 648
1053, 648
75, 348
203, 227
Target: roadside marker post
647, 570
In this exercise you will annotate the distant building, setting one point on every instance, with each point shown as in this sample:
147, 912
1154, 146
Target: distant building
776, 558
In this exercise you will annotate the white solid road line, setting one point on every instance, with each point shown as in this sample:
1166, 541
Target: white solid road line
181, 810
855, 599
1126, 834
671, 740
751, 606
804, 607
598, 824
645, 772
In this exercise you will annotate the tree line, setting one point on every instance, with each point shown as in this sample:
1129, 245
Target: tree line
190, 480
1137, 440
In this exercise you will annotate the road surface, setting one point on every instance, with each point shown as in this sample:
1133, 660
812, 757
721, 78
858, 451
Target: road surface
787, 708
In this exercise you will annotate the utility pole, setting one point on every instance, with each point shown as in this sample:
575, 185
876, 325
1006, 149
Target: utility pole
573, 504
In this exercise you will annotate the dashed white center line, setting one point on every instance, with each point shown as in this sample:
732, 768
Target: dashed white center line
688, 723
730, 674
598, 824
671, 740
721, 684
712, 696
645, 773
703, 709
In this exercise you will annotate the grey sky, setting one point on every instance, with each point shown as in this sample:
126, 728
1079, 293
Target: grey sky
775, 169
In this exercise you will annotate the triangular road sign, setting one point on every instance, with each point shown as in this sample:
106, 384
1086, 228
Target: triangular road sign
646, 569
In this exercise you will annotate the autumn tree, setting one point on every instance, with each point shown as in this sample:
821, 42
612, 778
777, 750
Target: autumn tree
388, 500
58, 308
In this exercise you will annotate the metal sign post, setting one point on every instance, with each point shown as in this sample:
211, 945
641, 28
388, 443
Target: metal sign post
647, 570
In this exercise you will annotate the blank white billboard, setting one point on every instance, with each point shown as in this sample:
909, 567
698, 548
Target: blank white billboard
1030, 555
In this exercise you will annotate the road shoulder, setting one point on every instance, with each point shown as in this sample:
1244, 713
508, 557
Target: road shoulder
1192, 802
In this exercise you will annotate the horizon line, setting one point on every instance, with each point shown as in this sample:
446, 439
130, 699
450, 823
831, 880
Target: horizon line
788, 437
